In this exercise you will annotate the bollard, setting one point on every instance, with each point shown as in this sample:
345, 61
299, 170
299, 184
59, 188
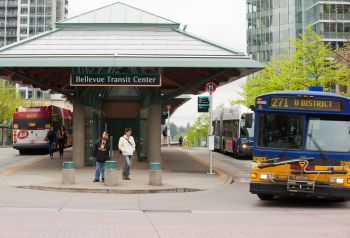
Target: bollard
68, 173
155, 174
111, 173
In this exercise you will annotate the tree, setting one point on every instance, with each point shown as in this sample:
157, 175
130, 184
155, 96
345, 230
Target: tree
343, 58
8, 102
198, 131
310, 64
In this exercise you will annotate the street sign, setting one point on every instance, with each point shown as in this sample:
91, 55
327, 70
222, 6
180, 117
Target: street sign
203, 104
210, 87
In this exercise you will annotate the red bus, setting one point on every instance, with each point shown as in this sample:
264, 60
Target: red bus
31, 124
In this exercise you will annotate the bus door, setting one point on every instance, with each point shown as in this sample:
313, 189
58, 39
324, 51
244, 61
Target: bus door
230, 134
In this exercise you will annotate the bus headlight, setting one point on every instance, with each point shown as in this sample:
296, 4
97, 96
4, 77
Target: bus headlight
244, 146
47, 126
336, 180
254, 175
266, 176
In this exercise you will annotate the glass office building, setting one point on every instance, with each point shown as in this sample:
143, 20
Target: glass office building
271, 24
20, 19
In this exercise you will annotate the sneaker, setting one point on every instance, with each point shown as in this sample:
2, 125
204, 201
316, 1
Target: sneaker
103, 179
96, 180
124, 176
127, 177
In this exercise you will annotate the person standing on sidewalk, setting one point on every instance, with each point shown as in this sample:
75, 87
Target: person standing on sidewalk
61, 139
101, 154
127, 147
51, 138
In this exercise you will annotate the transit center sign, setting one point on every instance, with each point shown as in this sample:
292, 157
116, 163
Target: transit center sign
121, 79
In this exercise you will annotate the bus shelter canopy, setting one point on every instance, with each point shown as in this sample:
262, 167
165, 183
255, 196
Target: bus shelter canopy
125, 39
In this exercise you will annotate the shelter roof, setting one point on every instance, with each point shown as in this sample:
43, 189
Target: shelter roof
121, 38
117, 13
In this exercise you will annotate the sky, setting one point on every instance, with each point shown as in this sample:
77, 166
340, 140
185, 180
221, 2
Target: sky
220, 21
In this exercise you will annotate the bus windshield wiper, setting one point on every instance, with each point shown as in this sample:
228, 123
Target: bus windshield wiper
318, 147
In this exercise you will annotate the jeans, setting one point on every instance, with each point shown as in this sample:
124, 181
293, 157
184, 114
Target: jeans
50, 148
100, 170
127, 164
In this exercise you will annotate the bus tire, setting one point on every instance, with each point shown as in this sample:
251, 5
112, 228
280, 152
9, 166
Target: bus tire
22, 151
265, 197
235, 152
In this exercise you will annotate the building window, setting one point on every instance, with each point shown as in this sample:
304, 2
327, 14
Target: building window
22, 94
23, 30
24, 10
24, 1
39, 94
24, 20
30, 94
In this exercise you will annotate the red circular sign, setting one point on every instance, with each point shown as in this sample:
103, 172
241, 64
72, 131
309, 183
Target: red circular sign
22, 134
210, 87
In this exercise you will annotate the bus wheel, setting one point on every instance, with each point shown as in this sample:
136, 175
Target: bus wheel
265, 197
235, 152
22, 152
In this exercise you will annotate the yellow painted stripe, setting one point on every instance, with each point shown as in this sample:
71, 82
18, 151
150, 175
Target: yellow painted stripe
22, 166
219, 171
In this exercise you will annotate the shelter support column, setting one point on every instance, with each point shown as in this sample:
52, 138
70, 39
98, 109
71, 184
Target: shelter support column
154, 140
78, 134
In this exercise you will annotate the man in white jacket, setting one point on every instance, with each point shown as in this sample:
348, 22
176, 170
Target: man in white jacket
127, 147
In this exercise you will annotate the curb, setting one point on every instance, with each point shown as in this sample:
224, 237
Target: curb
111, 190
219, 171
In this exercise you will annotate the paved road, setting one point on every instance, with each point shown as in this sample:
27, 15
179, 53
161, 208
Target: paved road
226, 212
10, 158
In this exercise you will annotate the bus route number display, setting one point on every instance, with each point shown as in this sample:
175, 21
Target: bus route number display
312, 104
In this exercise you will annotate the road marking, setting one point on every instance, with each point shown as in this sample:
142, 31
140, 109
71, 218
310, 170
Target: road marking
242, 180
22, 166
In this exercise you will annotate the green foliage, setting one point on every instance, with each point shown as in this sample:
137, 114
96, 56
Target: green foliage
8, 101
311, 64
343, 58
198, 131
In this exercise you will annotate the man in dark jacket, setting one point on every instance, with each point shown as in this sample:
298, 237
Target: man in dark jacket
51, 138
101, 154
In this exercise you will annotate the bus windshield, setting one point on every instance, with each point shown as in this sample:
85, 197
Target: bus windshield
247, 132
280, 131
330, 134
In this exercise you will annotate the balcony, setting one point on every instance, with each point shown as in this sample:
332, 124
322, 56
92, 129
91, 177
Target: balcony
12, 4
9, 4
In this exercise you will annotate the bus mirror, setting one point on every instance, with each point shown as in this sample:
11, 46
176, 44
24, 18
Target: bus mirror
251, 107
249, 120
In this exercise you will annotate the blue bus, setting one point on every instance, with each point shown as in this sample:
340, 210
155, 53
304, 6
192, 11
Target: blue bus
302, 145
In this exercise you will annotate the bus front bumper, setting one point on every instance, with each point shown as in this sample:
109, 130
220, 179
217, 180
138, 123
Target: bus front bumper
30, 146
320, 191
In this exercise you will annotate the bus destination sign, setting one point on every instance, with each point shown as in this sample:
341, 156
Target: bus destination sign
118, 79
299, 103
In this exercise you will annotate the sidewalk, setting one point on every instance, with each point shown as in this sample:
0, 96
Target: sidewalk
181, 173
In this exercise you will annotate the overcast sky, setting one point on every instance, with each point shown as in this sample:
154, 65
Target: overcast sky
221, 21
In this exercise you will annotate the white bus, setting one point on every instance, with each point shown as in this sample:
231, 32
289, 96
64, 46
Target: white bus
233, 130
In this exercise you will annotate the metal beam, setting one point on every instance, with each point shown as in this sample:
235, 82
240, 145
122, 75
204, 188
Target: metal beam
36, 81
168, 97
